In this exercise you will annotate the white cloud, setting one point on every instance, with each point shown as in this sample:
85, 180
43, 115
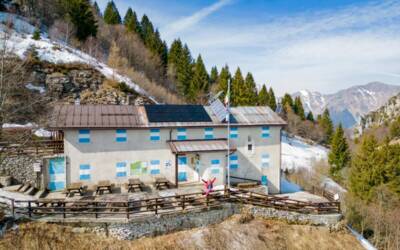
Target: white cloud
189, 21
322, 51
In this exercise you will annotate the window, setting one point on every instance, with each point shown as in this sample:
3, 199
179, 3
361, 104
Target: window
265, 160
120, 135
215, 166
250, 143
154, 167
121, 169
84, 172
181, 135
264, 180
154, 134
265, 132
208, 133
84, 136
234, 134
233, 162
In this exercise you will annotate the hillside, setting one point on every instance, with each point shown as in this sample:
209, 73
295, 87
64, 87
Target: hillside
385, 114
238, 232
349, 105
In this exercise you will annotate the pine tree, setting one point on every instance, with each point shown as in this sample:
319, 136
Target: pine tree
222, 82
327, 126
263, 97
131, 22
214, 75
81, 15
96, 9
36, 34
366, 170
236, 88
184, 71
200, 82
111, 14
298, 108
287, 102
249, 91
310, 117
147, 30
272, 99
339, 156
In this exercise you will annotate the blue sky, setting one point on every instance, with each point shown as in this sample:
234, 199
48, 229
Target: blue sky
320, 45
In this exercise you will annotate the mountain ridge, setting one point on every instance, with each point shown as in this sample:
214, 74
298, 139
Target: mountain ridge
347, 106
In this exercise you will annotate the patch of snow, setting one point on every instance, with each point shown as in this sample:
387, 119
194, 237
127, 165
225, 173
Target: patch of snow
289, 187
364, 242
331, 185
299, 154
42, 133
41, 89
5, 197
57, 52
14, 125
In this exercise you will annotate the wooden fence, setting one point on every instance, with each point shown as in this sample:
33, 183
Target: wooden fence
160, 205
35, 147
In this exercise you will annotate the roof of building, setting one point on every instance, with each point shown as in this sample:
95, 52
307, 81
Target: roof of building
127, 116
189, 146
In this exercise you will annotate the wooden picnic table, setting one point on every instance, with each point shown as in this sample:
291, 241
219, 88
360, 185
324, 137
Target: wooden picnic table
103, 186
161, 182
133, 184
75, 188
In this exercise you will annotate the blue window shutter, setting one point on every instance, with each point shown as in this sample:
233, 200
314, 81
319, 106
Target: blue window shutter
234, 162
264, 180
181, 134
208, 133
84, 172
265, 132
154, 134
84, 136
121, 170
234, 134
121, 135
265, 160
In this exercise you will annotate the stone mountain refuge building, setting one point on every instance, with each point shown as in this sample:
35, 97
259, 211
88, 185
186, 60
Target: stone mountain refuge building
184, 143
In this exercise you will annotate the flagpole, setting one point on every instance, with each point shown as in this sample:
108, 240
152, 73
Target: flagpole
229, 132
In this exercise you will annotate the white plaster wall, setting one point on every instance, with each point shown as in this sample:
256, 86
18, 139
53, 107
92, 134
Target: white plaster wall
103, 152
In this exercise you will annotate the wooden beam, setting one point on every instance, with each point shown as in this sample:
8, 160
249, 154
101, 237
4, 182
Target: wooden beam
176, 170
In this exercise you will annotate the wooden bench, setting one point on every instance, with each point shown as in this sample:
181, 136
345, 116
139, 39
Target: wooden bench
103, 186
74, 188
161, 182
134, 184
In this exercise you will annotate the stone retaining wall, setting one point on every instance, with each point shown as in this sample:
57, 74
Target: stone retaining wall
20, 168
163, 224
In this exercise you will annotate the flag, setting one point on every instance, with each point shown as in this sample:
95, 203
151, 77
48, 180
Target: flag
227, 97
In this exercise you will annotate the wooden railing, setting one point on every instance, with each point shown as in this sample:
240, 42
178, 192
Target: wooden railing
161, 205
36, 147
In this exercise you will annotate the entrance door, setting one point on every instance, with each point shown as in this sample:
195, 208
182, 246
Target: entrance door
182, 169
56, 174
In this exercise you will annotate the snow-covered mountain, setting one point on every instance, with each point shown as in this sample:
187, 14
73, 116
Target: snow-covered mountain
20, 40
349, 105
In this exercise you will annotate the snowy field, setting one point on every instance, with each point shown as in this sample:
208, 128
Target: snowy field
56, 52
298, 154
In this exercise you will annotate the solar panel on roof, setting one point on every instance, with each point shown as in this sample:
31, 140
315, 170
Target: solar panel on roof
177, 113
219, 109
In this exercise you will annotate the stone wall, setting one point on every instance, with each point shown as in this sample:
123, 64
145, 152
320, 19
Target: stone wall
20, 168
162, 224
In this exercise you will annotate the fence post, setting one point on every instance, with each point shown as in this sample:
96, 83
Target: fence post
63, 209
95, 210
127, 211
29, 209
183, 202
12, 207
207, 200
156, 206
